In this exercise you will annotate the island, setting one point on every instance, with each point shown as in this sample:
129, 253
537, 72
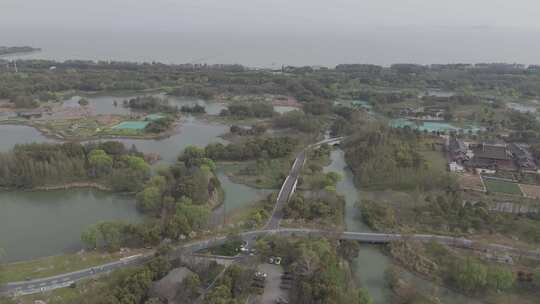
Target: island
13, 50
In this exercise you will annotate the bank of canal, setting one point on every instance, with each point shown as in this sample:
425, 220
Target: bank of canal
370, 265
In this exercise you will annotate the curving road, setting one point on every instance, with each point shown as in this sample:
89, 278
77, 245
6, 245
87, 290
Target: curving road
272, 227
64, 280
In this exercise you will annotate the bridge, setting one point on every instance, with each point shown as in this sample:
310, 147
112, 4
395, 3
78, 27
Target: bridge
271, 228
63, 280
289, 185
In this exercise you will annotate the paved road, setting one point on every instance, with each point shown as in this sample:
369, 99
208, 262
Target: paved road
272, 227
190, 248
289, 185
287, 189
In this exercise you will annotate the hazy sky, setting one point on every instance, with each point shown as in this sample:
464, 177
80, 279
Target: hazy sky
267, 15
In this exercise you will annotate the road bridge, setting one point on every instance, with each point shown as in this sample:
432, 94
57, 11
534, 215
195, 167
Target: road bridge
59, 281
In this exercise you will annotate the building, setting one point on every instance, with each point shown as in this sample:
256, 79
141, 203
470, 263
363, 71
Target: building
524, 158
489, 158
455, 167
458, 150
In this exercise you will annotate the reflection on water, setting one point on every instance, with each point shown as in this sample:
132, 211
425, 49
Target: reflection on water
11, 135
103, 105
191, 132
237, 196
44, 223
371, 263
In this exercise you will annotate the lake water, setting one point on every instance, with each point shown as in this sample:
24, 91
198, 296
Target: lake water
11, 135
44, 223
105, 104
237, 196
191, 132
382, 46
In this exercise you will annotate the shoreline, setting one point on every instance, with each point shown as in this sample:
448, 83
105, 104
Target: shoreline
55, 136
65, 186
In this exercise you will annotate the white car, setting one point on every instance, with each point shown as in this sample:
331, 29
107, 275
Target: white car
275, 260
260, 274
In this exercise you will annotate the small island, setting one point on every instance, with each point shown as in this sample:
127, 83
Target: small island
12, 50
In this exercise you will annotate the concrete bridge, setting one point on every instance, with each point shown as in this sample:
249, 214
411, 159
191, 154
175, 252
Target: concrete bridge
289, 185
63, 280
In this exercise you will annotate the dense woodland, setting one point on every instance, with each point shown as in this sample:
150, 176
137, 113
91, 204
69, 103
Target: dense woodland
36, 81
150, 104
246, 110
320, 276
254, 148
382, 157
110, 163
177, 202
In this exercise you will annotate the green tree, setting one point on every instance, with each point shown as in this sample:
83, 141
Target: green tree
536, 277
90, 237
100, 162
149, 200
348, 250
499, 278
364, 297
470, 276
138, 164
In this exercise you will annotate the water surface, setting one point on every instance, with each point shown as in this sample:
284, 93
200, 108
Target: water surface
237, 196
44, 223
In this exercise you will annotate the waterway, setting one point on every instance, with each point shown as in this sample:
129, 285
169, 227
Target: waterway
105, 104
370, 265
44, 223
191, 132
237, 197
38, 224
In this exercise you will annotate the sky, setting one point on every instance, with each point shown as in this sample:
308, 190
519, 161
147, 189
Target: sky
267, 15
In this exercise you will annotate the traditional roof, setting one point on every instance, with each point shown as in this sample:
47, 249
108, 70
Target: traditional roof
492, 151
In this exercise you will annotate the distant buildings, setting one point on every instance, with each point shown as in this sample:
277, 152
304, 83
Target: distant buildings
422, 113
490, 157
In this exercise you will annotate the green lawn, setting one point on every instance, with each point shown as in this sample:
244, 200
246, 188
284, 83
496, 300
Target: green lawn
502, 187
436, 159
53, 265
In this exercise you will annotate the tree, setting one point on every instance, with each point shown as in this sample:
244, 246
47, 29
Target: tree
536, 277
149, 200
138, 164
348, 250
470, 276
499, 278
90, 237
100, 162
364, 297
189, 289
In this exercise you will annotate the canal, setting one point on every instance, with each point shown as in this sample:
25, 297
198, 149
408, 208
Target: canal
370, 265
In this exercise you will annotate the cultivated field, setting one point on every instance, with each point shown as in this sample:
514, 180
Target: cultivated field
498, 186
471, 182
531, 191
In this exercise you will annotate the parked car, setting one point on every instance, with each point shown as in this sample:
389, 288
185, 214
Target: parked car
275, 260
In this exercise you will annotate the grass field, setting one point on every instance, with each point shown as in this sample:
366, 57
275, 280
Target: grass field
54, 265
497, 186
